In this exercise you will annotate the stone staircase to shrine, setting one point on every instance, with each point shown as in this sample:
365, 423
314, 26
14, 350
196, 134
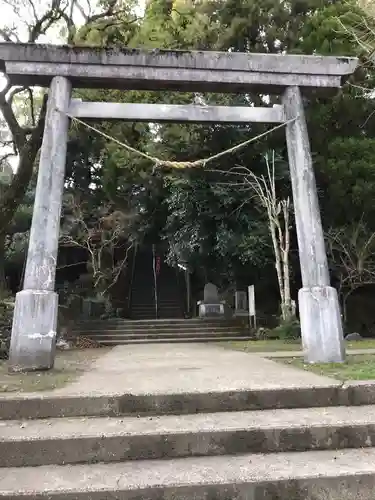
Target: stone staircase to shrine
278, 444
170, 290
119, 331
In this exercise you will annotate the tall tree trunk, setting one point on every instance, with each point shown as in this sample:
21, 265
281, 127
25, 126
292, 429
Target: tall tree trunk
288, 312
13, 195
278, 267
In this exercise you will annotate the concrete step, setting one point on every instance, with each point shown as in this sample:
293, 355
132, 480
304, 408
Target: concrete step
313, 475
164, 332
108, 341
146, 302
89, 440
148, 316
52, 405
149, 324
198, 321
159, 328
175, 323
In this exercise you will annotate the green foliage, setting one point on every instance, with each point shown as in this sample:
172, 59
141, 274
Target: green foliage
263, 333
287, 330
349, 173
217, 228
6, 315
210, 227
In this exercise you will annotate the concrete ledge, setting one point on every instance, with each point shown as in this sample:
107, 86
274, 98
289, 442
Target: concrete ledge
50, 405
323, 475
92, 440
33, 406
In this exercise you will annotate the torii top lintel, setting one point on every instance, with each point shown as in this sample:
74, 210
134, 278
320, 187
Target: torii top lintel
116, 68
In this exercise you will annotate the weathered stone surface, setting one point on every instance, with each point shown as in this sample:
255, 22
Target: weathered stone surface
188, 380
44, 234
175, 113
320, 316
313, 475
353, 337
241, 303
210, 294
211, 306
184, 378
311, 246
35, 313
175, 70
270, 63
78, 440
51, 405
319, 310
34, 331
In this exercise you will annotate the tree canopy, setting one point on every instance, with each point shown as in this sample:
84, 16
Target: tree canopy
219, 230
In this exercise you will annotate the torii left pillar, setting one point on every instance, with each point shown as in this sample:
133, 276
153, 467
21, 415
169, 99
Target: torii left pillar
35, 315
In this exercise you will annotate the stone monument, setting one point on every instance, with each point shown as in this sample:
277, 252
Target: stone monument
210, 306
240, 303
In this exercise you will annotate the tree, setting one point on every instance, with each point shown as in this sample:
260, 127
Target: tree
273, 26
22, 136
221, 229
102, 235
25, 141
278, 220
359, 24
352, 252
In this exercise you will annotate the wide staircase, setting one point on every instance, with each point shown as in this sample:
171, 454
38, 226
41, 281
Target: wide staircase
275, 444
120, 331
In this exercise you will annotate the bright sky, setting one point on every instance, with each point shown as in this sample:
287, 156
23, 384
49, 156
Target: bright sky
53, 36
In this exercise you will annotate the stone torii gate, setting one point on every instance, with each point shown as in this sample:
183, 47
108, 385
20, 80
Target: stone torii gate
62, 68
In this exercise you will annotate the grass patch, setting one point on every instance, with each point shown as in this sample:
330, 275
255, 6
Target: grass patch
356, 367
263, 345
285, 345
69, 365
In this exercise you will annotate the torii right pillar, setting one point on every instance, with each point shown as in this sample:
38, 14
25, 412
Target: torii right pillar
320, 317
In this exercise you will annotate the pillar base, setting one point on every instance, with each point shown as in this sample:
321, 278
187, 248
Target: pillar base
33, 341
320, 317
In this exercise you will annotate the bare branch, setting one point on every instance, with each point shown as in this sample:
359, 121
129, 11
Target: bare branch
6, 156
72, 265
100, 238
81, 10
43, 25
13, 93
352, 256
264, 187
107, 13
6, 36
31, 3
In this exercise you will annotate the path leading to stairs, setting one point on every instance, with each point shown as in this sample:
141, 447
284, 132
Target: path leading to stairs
188, 368
190, 422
